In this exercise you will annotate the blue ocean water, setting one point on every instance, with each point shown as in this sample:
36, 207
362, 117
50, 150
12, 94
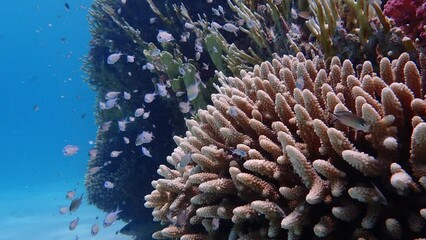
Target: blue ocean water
46, 105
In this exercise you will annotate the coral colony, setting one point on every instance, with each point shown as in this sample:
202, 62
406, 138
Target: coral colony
292, 119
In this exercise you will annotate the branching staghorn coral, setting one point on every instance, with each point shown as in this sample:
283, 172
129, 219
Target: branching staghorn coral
269, 161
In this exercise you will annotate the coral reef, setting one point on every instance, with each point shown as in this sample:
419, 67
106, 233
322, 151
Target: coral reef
269, 159
177, 73
410, 15
356, 30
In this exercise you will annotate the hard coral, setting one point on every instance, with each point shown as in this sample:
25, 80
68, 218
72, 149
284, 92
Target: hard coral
410, 15
268, 162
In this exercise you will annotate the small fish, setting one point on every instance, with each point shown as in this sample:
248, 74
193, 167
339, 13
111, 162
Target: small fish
122, 125
300, 83
130, 59
74, 223
215, 25
180, 93
126, 140
185, 159
63, 210
102, 105
382, 199
105, 126
185, 36
193, 90
230, 28
70, 194
239, 152
94, 170
233, 111
149, 97
216, 12
215, 223
148, 66
251, 23
146, 152
161, 89
220, 8
115, 154
111, 217
36, 108
144, 137
70, 150
185, 107
113, 58
152, 20
109, 185
155, 52
111, 103
67, 6
75, 204
205, 66
164, 37
127, 95
93, 153
304, 14
111, 95
145, 115
94, 230
139, 112
351, 120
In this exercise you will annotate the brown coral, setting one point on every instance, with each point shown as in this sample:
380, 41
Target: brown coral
283, 169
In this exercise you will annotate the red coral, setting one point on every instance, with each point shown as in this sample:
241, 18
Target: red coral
410, 15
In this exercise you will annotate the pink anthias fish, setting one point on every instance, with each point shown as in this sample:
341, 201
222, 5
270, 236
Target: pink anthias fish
63, 210
94, 230
94, 170
70, 194
70, 150
93, 153
73, 224
111, 217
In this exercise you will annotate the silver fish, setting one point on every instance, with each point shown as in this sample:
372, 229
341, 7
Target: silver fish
352, 120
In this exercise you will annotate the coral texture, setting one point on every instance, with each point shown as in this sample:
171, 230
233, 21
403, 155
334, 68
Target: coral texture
270, 161
410, 15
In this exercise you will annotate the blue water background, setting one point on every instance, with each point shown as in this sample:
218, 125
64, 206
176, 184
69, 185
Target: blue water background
42, 46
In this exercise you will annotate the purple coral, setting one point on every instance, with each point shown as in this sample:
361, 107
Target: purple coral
410, 15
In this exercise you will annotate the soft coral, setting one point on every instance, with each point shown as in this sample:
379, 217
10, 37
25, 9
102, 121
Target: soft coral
410, 15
